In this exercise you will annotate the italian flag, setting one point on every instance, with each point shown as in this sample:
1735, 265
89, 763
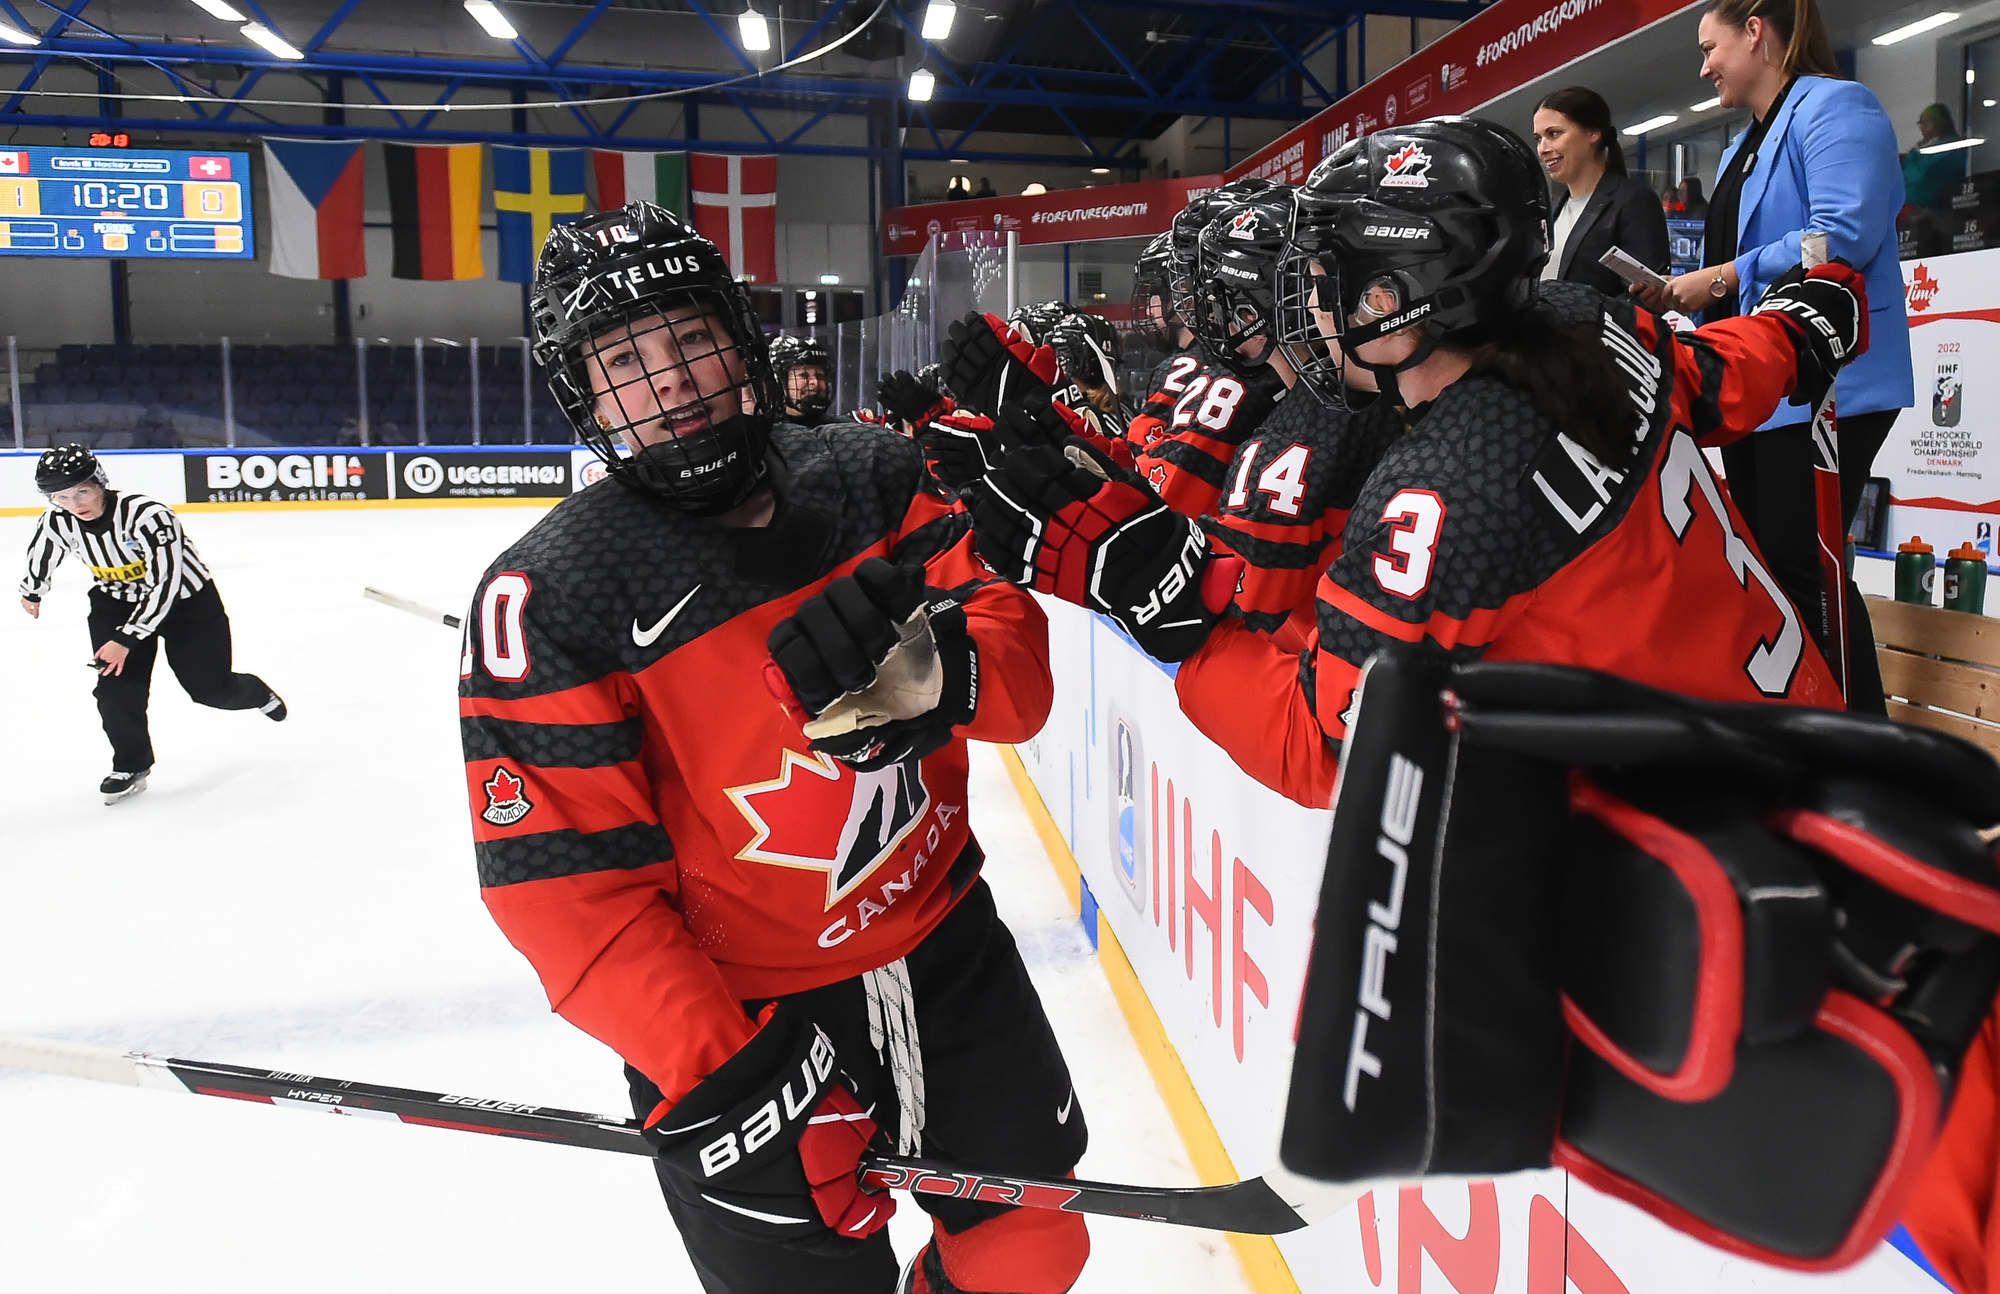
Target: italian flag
630, 177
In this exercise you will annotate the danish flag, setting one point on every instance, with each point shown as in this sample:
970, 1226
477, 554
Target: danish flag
735, 205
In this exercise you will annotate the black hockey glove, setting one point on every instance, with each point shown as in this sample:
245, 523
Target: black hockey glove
1072, 523
907, 400
961, 447
769, 1146
880, 666
1826, 311
986, 363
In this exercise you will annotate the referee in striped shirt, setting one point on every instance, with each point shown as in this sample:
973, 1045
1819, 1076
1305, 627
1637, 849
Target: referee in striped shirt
151, 587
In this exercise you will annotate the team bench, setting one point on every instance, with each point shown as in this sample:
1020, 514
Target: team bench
1940, 668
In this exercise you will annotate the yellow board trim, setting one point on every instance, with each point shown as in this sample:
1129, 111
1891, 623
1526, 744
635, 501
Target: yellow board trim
1263, 1265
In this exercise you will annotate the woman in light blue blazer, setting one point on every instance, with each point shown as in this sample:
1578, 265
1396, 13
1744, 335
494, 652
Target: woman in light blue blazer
1819, 153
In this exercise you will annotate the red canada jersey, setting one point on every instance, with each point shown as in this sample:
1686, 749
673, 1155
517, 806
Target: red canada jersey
652, 831
1485, 532
1190, 424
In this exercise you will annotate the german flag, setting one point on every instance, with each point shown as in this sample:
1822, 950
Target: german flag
434, 210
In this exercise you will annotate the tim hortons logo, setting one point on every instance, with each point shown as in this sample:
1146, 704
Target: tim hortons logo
1409, 167
1922, 290
505, 803
820, 815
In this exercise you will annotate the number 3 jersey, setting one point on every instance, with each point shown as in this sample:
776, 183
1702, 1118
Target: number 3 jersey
1482, 531
651, 830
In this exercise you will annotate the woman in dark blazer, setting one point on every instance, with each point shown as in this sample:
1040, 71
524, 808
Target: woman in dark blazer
1602, 207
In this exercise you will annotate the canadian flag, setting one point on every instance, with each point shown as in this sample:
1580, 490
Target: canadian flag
735, 204
13, 163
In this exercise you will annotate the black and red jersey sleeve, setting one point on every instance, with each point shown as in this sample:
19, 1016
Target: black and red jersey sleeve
1192, 441
574, 863
1290, 490
1730, 376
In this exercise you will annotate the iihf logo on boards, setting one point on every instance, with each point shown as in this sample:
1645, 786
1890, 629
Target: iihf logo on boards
506, 804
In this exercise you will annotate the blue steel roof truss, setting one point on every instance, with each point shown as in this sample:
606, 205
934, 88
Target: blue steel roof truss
1046, 66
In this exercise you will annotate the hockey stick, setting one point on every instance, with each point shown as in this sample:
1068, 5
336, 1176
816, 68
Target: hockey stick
1252, 1207
414, 608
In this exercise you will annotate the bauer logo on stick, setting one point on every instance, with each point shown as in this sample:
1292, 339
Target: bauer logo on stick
505, 802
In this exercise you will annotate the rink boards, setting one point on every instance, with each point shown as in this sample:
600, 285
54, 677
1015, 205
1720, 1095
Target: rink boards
1208, 883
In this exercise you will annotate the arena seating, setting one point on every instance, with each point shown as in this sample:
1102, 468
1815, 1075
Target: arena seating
167, 396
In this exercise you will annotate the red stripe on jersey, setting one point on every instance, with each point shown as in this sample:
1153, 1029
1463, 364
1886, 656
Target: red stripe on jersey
598, 701
558, 799
1477, 629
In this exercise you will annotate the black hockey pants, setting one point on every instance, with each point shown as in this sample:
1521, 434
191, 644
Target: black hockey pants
196, 633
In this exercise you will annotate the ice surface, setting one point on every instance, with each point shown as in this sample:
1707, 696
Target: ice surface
301, 895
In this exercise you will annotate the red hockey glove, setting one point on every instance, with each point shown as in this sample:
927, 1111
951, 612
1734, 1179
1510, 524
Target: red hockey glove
1826, 311
907, 400
770, 1145
880, 667
962, 447
1071, 523
986, 363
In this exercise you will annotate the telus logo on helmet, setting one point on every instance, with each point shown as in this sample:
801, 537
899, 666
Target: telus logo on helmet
1408, 167
1399, 823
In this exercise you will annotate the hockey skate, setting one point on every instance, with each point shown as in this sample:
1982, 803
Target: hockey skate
123, 786
273, 709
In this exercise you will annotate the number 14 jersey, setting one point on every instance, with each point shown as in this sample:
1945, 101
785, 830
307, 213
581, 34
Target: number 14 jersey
1483, 532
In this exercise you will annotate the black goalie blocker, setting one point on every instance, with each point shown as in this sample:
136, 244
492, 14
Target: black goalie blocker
655, 355
1439, 226
1719, 961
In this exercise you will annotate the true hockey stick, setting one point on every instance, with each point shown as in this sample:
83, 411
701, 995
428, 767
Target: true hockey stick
414, 608
1253, 1206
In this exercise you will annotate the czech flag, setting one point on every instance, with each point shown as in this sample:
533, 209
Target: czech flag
315, 209
434, 210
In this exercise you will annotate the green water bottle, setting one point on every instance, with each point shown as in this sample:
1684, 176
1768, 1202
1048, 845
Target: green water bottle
1965, 580
1916, 572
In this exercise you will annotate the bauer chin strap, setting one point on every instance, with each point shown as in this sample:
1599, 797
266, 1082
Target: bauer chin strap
1354, 336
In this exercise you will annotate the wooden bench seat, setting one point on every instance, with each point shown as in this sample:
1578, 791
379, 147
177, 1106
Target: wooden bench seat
1940, 668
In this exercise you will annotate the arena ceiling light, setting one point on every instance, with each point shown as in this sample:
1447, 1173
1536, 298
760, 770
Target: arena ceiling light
15, 36
488, 16
830, 280
258, 34
1100, 170
922, 85
938, 19
1706, 104
1953, 146
1917, 28
1651, 123
217, 9
754, 31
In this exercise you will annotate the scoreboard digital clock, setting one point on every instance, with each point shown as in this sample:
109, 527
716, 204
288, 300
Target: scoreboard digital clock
127, 202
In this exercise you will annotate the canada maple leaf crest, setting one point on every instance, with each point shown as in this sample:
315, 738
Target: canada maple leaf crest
1923, 289
505, 802
819, 814
1244, 226
1409, 167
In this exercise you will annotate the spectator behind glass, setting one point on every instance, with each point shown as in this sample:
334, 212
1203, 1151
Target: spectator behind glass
985, 189
1602, 207
1819, 154
1693, 205
1929, 179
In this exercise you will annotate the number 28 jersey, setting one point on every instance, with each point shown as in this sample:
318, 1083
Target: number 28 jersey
1187, 431
1483, 532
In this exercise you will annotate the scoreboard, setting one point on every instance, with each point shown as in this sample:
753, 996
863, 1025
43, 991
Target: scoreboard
138, 203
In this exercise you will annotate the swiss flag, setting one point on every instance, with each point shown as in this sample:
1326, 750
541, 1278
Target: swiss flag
735, 204
13, 163
209, 168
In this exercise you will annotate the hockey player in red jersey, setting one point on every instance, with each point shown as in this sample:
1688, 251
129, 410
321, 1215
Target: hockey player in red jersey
1549, 501
785, 937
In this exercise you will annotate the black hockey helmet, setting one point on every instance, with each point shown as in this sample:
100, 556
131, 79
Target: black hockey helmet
1441, 225
1236, 264
1087, 347
1037, 323
1151, 283
792, 354
655, 356
1182, 290
64, 466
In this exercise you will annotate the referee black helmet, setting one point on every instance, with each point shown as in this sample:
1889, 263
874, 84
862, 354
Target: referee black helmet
65, 466
656, 357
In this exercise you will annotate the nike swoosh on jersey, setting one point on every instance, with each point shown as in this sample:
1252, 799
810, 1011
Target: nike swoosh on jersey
1062, 1115
647, 637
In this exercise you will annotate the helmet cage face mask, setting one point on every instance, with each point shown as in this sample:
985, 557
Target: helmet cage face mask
1236, 268
655, 357
1153, 317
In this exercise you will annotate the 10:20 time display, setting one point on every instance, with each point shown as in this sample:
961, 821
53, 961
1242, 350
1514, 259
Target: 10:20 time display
125, 195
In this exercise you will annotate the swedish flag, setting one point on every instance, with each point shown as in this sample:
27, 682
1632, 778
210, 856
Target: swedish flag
533, 189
